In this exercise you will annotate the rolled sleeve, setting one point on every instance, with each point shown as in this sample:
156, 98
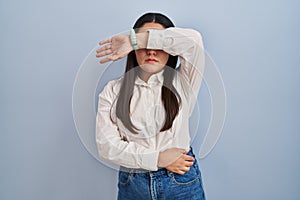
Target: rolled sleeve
155, 39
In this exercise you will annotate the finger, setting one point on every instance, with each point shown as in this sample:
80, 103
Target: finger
186, 169
104, 60
180, 172
189, 164
188, 158
109, 58
108, 40
104, 53
108, 46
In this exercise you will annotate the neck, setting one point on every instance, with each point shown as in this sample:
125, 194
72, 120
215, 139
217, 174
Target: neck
144, 76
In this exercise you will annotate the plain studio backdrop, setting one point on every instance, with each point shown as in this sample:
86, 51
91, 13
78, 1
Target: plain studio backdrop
255, 45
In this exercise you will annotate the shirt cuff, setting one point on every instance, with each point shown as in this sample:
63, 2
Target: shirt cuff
155, 39
149, 160
162, 40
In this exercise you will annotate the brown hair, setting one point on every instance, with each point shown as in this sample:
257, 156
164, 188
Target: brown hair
169, 95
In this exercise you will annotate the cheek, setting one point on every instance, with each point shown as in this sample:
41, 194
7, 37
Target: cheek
164, 58
140, 54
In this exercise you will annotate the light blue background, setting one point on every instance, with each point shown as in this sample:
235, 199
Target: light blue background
255, 44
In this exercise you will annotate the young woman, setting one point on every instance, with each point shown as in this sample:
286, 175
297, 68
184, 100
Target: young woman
143, 117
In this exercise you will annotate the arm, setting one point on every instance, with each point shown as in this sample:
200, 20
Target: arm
112, 148
110, 145
188, 45
185, 43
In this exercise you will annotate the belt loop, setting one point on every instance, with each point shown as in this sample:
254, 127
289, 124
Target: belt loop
131, 172
169, 173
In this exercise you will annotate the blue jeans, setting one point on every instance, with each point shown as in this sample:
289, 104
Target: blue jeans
136, 184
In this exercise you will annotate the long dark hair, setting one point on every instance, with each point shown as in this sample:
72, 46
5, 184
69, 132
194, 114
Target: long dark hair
169, 94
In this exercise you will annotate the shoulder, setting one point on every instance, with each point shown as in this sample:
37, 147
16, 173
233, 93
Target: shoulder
112, 88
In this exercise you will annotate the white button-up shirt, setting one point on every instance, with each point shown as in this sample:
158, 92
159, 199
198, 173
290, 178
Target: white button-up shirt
115, 142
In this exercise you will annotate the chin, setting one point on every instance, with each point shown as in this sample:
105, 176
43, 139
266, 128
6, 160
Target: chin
153, 69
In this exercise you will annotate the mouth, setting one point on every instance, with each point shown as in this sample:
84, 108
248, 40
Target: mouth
151, 60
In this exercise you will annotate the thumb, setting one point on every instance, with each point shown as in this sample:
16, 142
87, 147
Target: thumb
186, 151
183, 151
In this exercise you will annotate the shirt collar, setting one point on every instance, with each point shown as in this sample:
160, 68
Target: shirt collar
154, 79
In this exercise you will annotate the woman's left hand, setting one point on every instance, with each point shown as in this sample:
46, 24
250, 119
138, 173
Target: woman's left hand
114, 48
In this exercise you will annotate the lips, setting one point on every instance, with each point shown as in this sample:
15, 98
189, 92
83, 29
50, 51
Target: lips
151, 60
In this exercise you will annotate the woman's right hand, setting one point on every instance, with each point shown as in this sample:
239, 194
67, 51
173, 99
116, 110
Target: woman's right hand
114, 48
175, 160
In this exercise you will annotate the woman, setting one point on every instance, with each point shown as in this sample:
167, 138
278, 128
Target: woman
142, 118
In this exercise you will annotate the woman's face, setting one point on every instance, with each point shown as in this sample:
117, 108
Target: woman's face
151, 61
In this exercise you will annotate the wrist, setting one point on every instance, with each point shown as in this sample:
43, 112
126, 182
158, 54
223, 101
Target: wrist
133, 40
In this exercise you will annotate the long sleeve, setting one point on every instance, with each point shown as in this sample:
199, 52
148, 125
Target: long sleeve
188, 45
110, 145
131, 153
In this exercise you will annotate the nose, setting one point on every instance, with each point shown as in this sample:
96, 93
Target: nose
151, 52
